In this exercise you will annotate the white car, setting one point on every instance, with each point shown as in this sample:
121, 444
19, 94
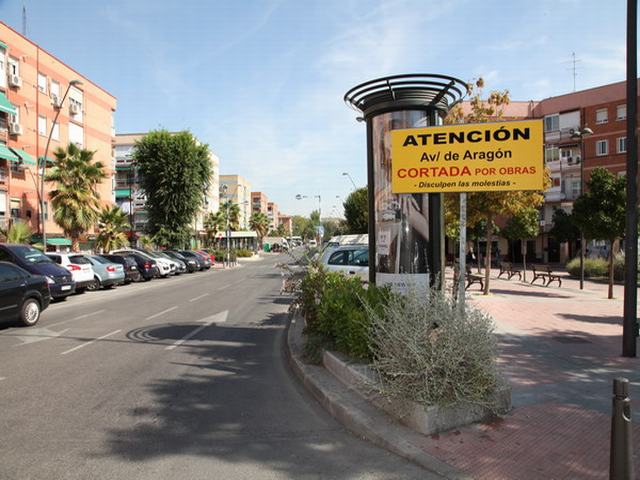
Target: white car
80, 268
165, 267
350, 260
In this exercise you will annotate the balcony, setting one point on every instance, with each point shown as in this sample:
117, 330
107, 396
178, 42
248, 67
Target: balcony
554, 195
4, 178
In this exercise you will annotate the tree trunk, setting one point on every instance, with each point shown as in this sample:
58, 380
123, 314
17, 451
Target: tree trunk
524, 260
75, 244
611, 268
487, 257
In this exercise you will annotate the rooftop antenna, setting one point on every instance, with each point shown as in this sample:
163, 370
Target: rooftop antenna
573, 67
24, 20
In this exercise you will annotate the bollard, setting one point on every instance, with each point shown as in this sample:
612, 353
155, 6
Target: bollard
621, 459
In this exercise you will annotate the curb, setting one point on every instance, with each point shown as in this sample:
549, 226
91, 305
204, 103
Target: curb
357, 415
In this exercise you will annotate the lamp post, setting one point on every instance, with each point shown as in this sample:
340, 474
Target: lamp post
352, 182
223, 192
44, 160
579, 135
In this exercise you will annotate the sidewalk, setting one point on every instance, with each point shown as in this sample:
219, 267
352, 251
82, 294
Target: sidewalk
559, 349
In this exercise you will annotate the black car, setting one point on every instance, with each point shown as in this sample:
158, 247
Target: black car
147, 268
22, 295
131, 272
191, 263
60, 282
189, 255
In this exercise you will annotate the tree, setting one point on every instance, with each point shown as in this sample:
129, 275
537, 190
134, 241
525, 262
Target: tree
522, 226
233, 213
18, 232
332, 228
214, 222
112, 226
600, 211
356, 211
564, 227
259, 223
281, 231
146, 242
488, 206
314, 218
303, 227
175, 170
75, 199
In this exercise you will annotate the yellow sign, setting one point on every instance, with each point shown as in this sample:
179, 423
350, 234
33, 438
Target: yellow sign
475, 157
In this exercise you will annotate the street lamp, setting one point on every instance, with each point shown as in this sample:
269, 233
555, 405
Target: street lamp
223, 192
352, 182
72, 83
579, 135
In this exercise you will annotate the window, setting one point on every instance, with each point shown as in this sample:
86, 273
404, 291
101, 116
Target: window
42, 83
15, 208
55, 88
575, 188
602, 115
551, 154
556, 181
552, 123
621, 112
42, 125
3, 68
14, 66
15, 117
602, 148
75, 102
9, 273
622, 144
80, 260
360, 258
55, 131
338, 258
76, 134
55, 258
46, 210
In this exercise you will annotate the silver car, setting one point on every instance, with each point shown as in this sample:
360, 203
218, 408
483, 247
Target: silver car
106, 273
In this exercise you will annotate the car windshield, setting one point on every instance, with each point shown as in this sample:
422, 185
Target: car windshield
189, 254
100, 259
31, 255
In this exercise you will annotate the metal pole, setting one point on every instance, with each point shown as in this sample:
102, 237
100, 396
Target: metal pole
462, 255
581, 231
228, 237
44, 162
131, 176
629, 324
621, 452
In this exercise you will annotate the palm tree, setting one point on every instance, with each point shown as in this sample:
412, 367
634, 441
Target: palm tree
213, 223
112, 226
75, 198
234, 215
18, 232
259, 222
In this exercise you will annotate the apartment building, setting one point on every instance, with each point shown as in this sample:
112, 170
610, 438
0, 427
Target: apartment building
130, 197
33, 83
287, 221
237, 189
259, 202
273, 213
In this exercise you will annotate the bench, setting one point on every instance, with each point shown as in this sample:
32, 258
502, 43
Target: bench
470, 276
546, 274
511, 271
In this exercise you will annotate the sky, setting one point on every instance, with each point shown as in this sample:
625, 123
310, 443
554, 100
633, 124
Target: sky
262, 81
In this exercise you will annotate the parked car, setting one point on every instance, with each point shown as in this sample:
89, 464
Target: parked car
351, 260
131, 272
164, 267
81, 271
22, 295
106, 274
191, 264
202, 263
211, 256
59, 279
205, 257
181, 267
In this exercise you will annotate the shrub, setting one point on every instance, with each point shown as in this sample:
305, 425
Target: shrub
427, 351
593, 267
618, 266
243, 253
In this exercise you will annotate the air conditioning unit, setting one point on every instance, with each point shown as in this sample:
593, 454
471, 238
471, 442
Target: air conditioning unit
55, 100
15, 81
74, 108
15, 129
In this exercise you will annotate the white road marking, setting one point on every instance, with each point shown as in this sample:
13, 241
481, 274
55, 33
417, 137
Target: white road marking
3, 378
90, 342
38, 335
222, 288
79, 317
161, 313
217, 318
198, 297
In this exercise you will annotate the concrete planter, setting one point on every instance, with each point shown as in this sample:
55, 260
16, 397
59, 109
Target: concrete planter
426, 420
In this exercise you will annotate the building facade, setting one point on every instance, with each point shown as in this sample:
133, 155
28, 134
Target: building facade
33, 83
273, 214
259, 202
237, 189
287, 221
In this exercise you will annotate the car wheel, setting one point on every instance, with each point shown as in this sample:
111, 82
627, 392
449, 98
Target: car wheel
30, 312
95, 285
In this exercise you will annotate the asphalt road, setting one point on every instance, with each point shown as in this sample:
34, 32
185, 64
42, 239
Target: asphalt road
182, 378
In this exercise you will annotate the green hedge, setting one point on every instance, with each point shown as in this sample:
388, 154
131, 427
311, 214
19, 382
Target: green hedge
598, 267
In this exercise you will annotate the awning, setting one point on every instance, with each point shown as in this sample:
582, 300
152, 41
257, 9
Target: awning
26, 158
49, 159
7, 154
4, 45
59, 242
123, 167
5, 105
123, 193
